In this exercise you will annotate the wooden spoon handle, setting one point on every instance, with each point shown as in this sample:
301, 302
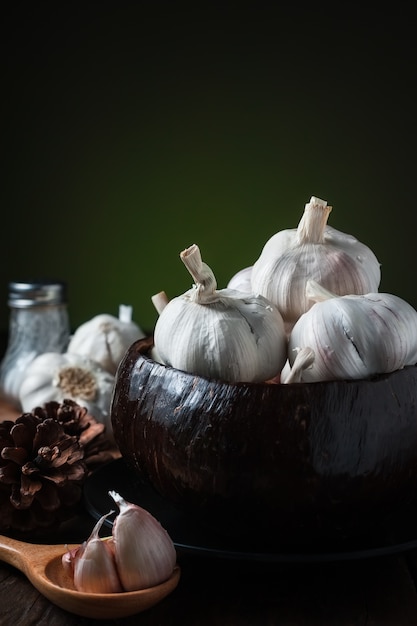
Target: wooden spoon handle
27, 556
13, 552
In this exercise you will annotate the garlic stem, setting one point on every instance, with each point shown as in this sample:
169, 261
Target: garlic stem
313, 222
125, 313
160, 300
205, 282
304, 359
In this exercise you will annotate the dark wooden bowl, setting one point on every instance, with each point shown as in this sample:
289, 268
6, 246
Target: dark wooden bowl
293, 463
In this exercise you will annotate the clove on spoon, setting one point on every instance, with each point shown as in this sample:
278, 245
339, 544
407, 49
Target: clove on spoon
42, 564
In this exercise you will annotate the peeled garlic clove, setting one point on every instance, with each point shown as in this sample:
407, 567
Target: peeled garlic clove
93, 564
220, 333
314, 250
145, 554
106, 338
355, 336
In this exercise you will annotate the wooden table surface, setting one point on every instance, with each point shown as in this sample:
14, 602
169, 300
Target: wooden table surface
377, 591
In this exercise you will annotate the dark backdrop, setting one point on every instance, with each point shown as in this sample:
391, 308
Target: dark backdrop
133, 129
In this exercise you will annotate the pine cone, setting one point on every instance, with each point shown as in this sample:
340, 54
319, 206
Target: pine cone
45, 457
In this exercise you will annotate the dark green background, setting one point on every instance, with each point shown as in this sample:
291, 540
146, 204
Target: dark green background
134, 129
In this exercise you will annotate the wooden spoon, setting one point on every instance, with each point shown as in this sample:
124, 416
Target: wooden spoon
43, 567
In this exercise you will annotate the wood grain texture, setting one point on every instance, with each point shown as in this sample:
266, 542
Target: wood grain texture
213, 592
312, 462
378, 592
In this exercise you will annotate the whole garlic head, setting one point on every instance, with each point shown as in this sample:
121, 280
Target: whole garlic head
354, 336
55, 376
316, 251
106, 338
223, 334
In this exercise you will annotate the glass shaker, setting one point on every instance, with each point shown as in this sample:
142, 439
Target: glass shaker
38, 323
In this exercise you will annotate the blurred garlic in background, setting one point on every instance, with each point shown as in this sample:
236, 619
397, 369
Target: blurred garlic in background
105, 338
56, 377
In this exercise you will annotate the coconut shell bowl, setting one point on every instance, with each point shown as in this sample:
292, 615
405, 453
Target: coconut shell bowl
296, 464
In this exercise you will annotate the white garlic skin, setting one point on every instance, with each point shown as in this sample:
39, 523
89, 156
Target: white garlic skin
105, 339
220, 333
242, 280
238, 338
356, 336
144, 552
291, 257
53, 376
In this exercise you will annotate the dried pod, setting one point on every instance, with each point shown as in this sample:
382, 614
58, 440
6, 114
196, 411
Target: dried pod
44, 461
280, 464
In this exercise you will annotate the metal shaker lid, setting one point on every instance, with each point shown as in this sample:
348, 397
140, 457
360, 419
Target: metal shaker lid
24, 294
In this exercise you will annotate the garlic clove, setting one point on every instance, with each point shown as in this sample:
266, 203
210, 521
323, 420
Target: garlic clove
93, 564
144, 552
106, 338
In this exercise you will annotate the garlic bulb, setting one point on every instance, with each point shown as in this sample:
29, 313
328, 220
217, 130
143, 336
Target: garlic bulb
106, 338
55, 376
242, 280
316, 251
223, 334
92, 565
354, 336
144, 552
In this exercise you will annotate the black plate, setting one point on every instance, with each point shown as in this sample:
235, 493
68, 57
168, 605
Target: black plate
189, 536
